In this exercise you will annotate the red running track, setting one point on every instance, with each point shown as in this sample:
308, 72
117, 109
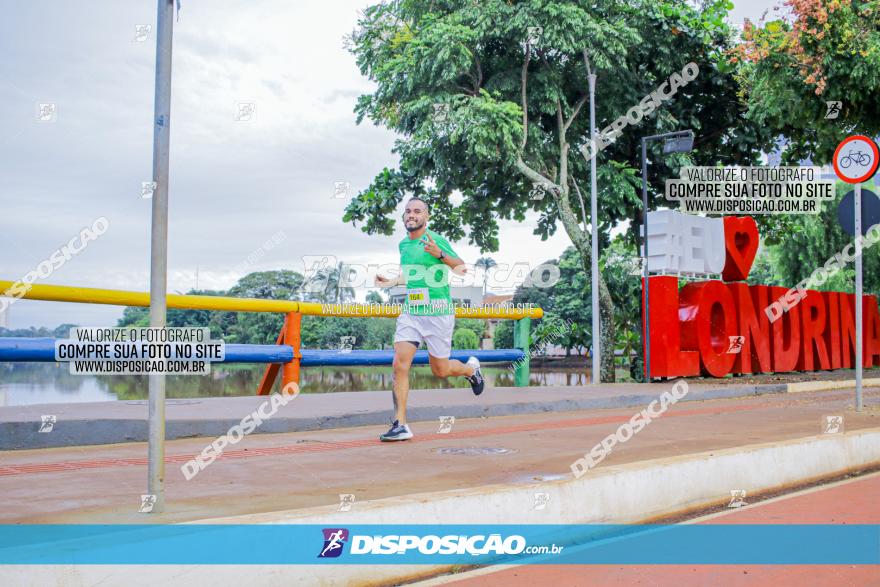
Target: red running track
851, 502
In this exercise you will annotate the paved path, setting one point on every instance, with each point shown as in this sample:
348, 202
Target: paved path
270, 472
126, 421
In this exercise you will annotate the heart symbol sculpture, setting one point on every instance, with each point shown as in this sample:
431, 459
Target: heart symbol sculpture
741, 242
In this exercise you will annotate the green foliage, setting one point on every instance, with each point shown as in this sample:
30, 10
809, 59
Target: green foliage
764, 269
628, 343
258, 327
570, 298
321, 332
503, 337
810, 242
813, 240
477, 327
62, 331
135, 316
380, 333
465, 339
374, 297
621, 270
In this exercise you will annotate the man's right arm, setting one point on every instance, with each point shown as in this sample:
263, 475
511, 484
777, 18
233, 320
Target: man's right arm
385, 282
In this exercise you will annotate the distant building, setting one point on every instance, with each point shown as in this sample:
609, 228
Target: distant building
4, 317
491, 299
488, 342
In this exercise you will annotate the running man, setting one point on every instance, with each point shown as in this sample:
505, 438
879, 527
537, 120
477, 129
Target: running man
428, 314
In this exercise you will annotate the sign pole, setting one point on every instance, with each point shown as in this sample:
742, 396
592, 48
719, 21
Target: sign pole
855, 161
858, 230
647, 278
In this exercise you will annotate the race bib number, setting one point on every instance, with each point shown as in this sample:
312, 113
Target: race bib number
417, 297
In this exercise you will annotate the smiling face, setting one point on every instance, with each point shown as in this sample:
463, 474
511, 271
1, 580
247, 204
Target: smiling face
415, 217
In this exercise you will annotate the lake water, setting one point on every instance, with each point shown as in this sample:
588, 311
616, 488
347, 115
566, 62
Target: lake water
44, 383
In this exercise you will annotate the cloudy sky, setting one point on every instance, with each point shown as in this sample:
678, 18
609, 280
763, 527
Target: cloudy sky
234, 184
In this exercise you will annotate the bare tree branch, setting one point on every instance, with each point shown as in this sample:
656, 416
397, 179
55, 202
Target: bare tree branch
534, 175
581, 200
478, 81
563, 149
577, 108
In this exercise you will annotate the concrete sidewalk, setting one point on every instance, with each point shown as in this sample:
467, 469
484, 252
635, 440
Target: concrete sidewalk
81, 424
307, 470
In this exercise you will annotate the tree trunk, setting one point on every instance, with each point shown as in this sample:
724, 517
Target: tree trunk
581, 240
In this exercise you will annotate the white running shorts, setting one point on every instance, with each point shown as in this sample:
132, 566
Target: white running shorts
434, 331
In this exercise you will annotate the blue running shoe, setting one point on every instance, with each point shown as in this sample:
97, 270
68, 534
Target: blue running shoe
397, 431
476, 380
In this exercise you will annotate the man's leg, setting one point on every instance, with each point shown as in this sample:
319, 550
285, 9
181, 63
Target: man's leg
403, 357
438, 338
449, 367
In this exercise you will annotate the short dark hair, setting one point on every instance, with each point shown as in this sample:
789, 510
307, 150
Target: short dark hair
418, 199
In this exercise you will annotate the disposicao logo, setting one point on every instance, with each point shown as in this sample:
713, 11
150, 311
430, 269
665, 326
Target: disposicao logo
334, 541
472, 545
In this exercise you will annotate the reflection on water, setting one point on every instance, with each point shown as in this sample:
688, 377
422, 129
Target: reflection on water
42, 383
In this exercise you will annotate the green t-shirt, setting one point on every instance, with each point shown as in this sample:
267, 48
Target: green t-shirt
427, 277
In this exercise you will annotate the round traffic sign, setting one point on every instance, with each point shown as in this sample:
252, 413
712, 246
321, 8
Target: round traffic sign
855, 159
870, 211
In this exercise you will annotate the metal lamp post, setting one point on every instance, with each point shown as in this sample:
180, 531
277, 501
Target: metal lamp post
594, 244
159, 247
675, 142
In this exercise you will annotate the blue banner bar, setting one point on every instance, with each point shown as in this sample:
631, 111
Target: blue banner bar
286, 544
43, 350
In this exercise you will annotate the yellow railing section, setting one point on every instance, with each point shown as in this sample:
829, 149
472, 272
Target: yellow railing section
115, 297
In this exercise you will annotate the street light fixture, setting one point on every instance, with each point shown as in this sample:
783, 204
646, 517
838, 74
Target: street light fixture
679, 144
681, 141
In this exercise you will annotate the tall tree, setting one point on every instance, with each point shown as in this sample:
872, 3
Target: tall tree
489, 99
790, 67
258, 327
374, 297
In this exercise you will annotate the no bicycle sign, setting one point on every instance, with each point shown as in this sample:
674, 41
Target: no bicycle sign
855, 159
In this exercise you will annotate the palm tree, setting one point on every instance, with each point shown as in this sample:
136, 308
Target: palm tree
325, 285
627, 342
486, 263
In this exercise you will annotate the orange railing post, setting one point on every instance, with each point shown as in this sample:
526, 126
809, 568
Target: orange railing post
272, 369
290, 371
289, 335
